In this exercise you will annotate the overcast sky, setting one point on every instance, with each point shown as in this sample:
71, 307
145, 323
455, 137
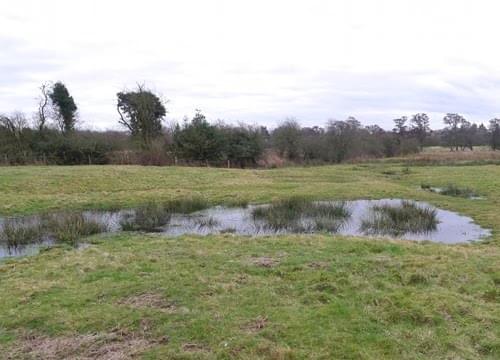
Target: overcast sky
258, 61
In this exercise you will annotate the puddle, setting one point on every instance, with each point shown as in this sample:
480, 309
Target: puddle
448, 227
451, 190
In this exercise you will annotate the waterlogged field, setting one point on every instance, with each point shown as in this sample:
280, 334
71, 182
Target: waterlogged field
233, 296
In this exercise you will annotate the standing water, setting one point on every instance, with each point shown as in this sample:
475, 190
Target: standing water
391, 218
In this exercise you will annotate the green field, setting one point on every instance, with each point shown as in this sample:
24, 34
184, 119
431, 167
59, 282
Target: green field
240, 297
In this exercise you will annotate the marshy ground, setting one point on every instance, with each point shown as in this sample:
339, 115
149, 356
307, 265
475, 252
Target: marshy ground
231, 296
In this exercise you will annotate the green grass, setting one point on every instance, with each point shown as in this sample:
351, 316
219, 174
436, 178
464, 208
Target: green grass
227, 296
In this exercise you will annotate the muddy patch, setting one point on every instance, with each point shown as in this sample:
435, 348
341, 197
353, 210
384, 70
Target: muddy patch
265, 261
149, 300
108, 346
256, 325
318, 265
194, 347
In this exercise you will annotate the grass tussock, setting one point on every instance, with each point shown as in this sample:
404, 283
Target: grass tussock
150, 218
299, 214
153, 216
18, 232
66, 228
207, 222
400, 219
69, 228
451, 190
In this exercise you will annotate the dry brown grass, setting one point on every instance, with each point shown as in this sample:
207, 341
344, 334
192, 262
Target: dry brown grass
110, 346
265, 261
436, 155
149, 300
256, 325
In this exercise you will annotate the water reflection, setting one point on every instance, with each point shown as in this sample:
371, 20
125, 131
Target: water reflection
24, 235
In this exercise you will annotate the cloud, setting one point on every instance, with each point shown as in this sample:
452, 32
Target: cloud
257, 61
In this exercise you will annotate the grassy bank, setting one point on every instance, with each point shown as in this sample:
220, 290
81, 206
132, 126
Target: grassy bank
237, 297
284, 297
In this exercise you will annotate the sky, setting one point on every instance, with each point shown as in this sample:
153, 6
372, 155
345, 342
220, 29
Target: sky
257, 62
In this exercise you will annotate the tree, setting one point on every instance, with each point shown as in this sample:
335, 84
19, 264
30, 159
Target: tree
400, 127
64, 107
313, 143
495, 134
141, 112
243, 145
14, 125
43, 103
343, 139
453, 133
419, 127
286, 138
198, 139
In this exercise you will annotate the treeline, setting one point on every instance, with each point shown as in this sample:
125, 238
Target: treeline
52, 137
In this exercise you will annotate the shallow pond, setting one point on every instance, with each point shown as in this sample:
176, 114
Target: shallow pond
448, 227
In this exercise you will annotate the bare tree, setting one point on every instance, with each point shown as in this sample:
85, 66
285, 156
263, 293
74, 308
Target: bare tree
43, 103
455, 134
14, 124
420, 127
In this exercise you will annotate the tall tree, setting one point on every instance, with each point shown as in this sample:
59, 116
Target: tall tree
64, 107
43, 104
495, 134
400, 126
419, 127
455, 124
141, 112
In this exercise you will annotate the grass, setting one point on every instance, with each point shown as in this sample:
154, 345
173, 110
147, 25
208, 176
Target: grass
435, 155
320, 297
453, 190
228, 296
149, 217
66, 228
153, 216
207, 222
400, 219
298, 214
18, 232
69, 228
